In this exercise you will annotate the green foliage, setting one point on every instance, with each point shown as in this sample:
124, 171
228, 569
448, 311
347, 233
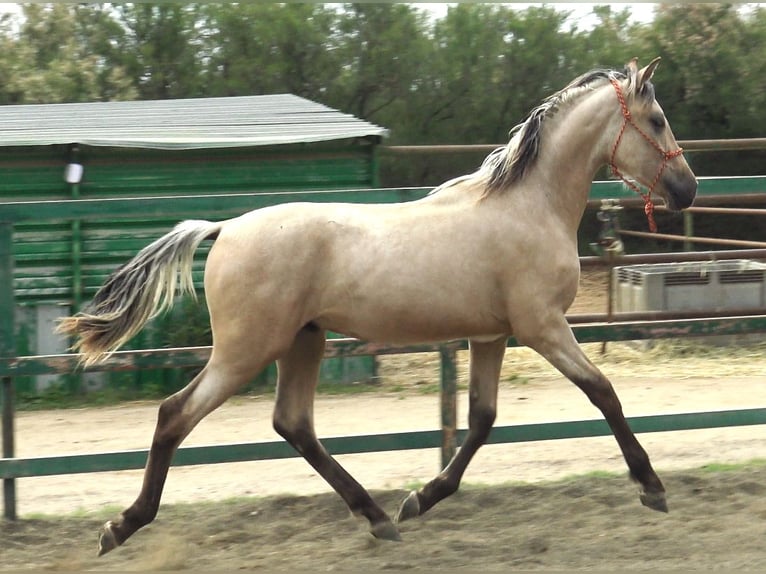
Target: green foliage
467, 77
62, 53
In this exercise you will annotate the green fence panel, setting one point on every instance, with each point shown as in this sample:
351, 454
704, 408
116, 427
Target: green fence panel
214, 454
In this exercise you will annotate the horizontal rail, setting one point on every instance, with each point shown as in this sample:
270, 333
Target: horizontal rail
186, 205
186, 456
674, 257
687, 145
348, 347
718, 187
702, 199
235, 203
627, 316
721, 210
694, 239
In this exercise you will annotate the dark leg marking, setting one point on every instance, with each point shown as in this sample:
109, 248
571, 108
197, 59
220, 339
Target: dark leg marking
486, 361
293, 420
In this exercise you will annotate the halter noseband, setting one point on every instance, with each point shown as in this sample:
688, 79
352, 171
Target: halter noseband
666, 157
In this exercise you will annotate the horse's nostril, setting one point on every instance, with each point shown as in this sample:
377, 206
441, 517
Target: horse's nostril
680, 192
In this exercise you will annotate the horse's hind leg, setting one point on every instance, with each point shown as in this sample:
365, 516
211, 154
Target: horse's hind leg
294, 420
178, 415
486, 362
558, 345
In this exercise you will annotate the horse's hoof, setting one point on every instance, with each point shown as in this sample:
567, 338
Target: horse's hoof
386, 530
410, 507
106, 539
655, 501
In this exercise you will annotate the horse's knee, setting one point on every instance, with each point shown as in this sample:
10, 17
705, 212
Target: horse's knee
601, 393
481, 418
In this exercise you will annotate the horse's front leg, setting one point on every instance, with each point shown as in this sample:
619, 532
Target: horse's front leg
485, 364
556, 342
294, 420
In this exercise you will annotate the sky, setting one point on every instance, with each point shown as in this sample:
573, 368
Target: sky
581, 12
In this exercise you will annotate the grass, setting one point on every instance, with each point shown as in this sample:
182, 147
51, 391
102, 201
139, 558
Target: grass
515, 379
355, 388
60, 397
713, 467
755, 463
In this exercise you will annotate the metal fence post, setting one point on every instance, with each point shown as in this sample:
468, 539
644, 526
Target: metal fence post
688, 230
7, 349
448, 358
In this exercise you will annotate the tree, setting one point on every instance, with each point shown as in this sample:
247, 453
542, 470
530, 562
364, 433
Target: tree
711, 83
269, 48
489, 66
381, 48
58, 56
160, 48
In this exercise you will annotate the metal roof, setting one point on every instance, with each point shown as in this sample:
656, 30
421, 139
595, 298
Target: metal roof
181, 124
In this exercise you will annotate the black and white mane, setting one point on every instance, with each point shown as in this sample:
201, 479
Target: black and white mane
509, 164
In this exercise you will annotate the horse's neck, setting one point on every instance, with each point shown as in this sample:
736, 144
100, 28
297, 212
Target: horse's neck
573, 148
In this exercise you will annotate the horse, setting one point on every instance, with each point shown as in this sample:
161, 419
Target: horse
483, 257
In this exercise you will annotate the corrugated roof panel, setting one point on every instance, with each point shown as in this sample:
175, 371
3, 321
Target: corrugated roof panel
181, 124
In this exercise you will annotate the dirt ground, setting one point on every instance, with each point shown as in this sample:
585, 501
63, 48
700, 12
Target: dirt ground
521, 508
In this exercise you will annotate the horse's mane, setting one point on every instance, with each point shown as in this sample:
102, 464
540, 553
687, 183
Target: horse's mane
510, 163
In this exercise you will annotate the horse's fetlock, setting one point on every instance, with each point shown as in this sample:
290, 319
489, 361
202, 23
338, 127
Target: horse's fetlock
138, 515
444, 485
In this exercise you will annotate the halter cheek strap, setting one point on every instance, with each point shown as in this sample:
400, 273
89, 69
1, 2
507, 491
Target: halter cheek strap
666, 157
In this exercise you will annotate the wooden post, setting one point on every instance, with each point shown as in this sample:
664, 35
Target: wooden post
7, 349
448, 358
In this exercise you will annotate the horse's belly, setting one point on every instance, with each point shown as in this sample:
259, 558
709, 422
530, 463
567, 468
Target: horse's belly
414, 324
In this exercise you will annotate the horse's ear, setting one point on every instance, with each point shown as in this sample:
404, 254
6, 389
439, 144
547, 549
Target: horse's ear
646, 73
631, 71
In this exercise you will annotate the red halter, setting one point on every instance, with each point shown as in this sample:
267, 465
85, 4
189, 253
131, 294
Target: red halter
666, 157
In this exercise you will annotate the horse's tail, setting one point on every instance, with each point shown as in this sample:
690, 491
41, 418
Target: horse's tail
138, 291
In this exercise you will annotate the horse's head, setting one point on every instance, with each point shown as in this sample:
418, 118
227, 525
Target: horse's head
645, 147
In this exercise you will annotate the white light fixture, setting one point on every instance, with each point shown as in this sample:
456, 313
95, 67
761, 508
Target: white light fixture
73, 173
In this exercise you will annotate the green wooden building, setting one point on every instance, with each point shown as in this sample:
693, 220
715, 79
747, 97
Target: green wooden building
277, 142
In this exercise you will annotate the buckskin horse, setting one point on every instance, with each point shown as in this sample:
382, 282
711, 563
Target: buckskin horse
482, 257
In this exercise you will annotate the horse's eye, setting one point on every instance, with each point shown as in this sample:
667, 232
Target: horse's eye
657, 121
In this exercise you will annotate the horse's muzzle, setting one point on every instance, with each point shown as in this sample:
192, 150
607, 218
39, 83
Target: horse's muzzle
679, 192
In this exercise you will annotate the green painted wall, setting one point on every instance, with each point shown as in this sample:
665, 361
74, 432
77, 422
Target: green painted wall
63, 263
